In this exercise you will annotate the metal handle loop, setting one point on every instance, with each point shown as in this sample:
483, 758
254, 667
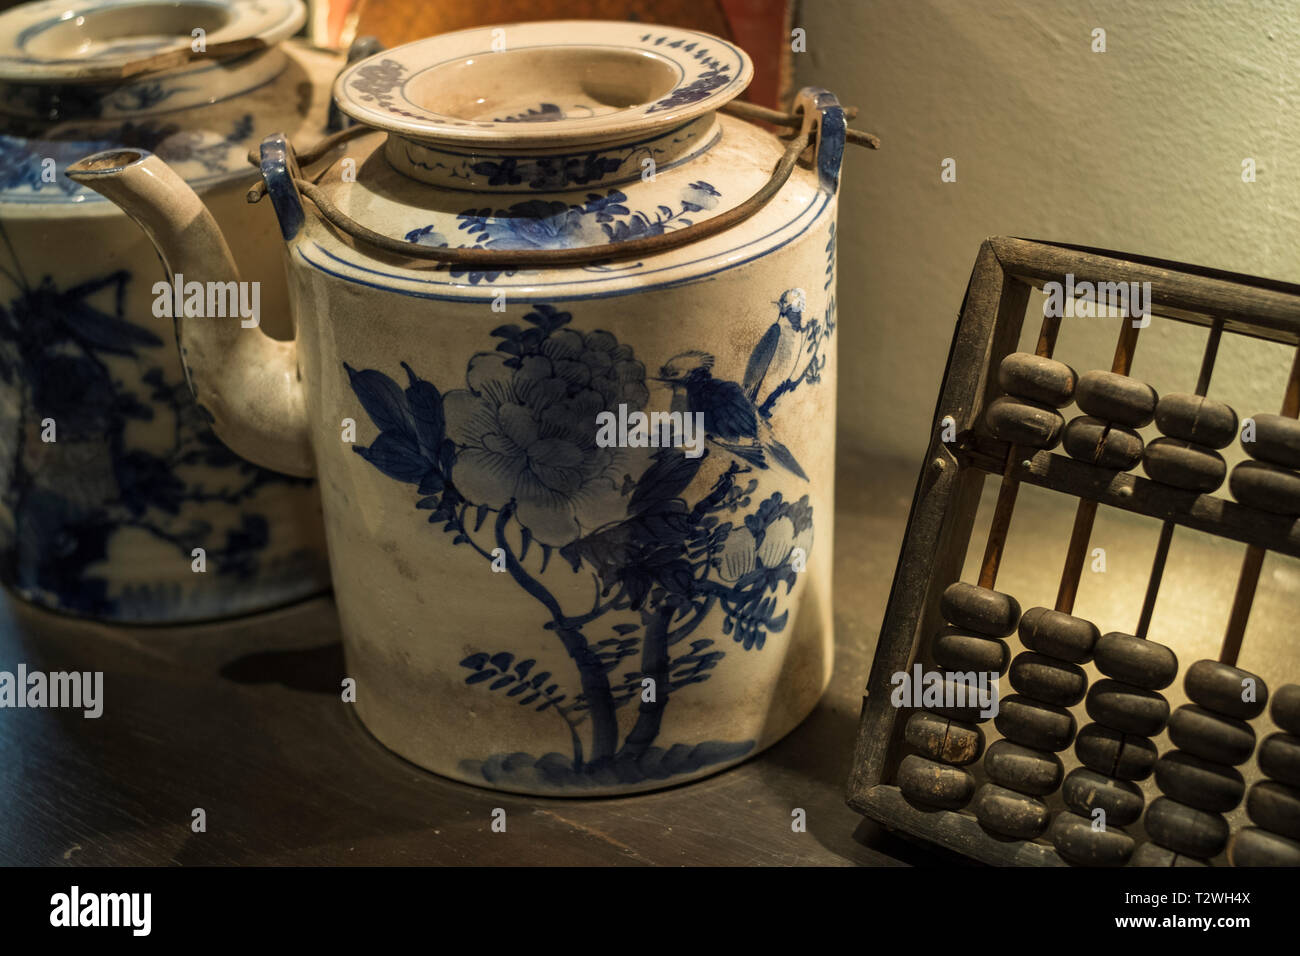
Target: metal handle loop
500, 259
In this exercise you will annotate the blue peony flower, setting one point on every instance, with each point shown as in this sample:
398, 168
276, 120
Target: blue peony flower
526, 432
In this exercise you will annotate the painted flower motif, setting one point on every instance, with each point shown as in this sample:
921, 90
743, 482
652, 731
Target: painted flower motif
767, 539
526, 431
699, 195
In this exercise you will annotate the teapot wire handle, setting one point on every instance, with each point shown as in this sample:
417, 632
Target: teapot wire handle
809, 123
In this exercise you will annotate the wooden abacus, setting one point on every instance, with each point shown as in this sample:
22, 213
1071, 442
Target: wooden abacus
919, 771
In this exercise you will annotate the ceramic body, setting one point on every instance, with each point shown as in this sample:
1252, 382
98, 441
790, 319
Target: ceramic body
528, 603
110, 478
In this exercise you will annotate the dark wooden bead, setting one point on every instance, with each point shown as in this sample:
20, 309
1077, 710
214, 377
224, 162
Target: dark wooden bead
1275, 806
943, 739
1115, 754
1024, 423
1220, 688
1035, 724
1251, 846
1132, 660
1286, 708
1116, 398
981, 610
1023, 769
1102, 444
1183, 465
1037, 378
935, 784
1080, 843
1048, 679
1086, 790
956, 650
1199, 783
1216, 737
1279, 758
1265, 487
965, 697
1277, 441
1058, 634
1183, 829
1128, 709
1195, 418
1008, 813
1153, 855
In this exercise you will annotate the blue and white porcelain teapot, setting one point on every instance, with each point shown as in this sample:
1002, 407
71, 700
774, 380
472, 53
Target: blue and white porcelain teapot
116, 500
564, 369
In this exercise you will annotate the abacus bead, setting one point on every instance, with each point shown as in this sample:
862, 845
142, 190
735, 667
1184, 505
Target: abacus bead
1196, 418
1277, 441
1181, 464
1085, 790
1275, 806
1077, 841
1219, 687
1037, 378
1114, 754
1199, 783
1116, 398
1134, 661
1058, 634
981, 610
957, 690
955, 650
1126, 708
1185, 829
943, 739
935, 784
1265, 487
1009, 813
1102, 444
1048, 679
1035, 724
1023, 768
1212, 736
1279, 758
1022, 422
1151, 854
1251, 846
1286, 708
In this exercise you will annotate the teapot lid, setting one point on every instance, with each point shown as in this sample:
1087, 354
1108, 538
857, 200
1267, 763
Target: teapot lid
83, 41
544, 84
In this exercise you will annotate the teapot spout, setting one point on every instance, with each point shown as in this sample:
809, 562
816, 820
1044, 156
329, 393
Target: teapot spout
247, 382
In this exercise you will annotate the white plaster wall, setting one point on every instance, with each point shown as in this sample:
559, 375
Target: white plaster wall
1136, 149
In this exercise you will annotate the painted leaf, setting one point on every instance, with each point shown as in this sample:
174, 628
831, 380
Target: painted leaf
381, 398
395, 455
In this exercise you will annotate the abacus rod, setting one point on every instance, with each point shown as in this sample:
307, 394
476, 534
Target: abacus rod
1208, 358
1124, 348
1001, 523
1086, 512
1000, 526
1153, 582
1251, 565
1242, 602
1075, 553
1047, 334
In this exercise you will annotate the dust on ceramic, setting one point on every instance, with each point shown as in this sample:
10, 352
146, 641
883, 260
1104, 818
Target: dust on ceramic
110, 476
527, 604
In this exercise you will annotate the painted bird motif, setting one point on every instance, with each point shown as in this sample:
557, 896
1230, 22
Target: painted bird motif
732, 420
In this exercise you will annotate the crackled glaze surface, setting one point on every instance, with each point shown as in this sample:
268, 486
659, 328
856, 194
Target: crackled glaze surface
476, 444
103, 520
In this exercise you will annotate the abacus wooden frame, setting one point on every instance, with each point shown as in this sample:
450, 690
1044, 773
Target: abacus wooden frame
952, 477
